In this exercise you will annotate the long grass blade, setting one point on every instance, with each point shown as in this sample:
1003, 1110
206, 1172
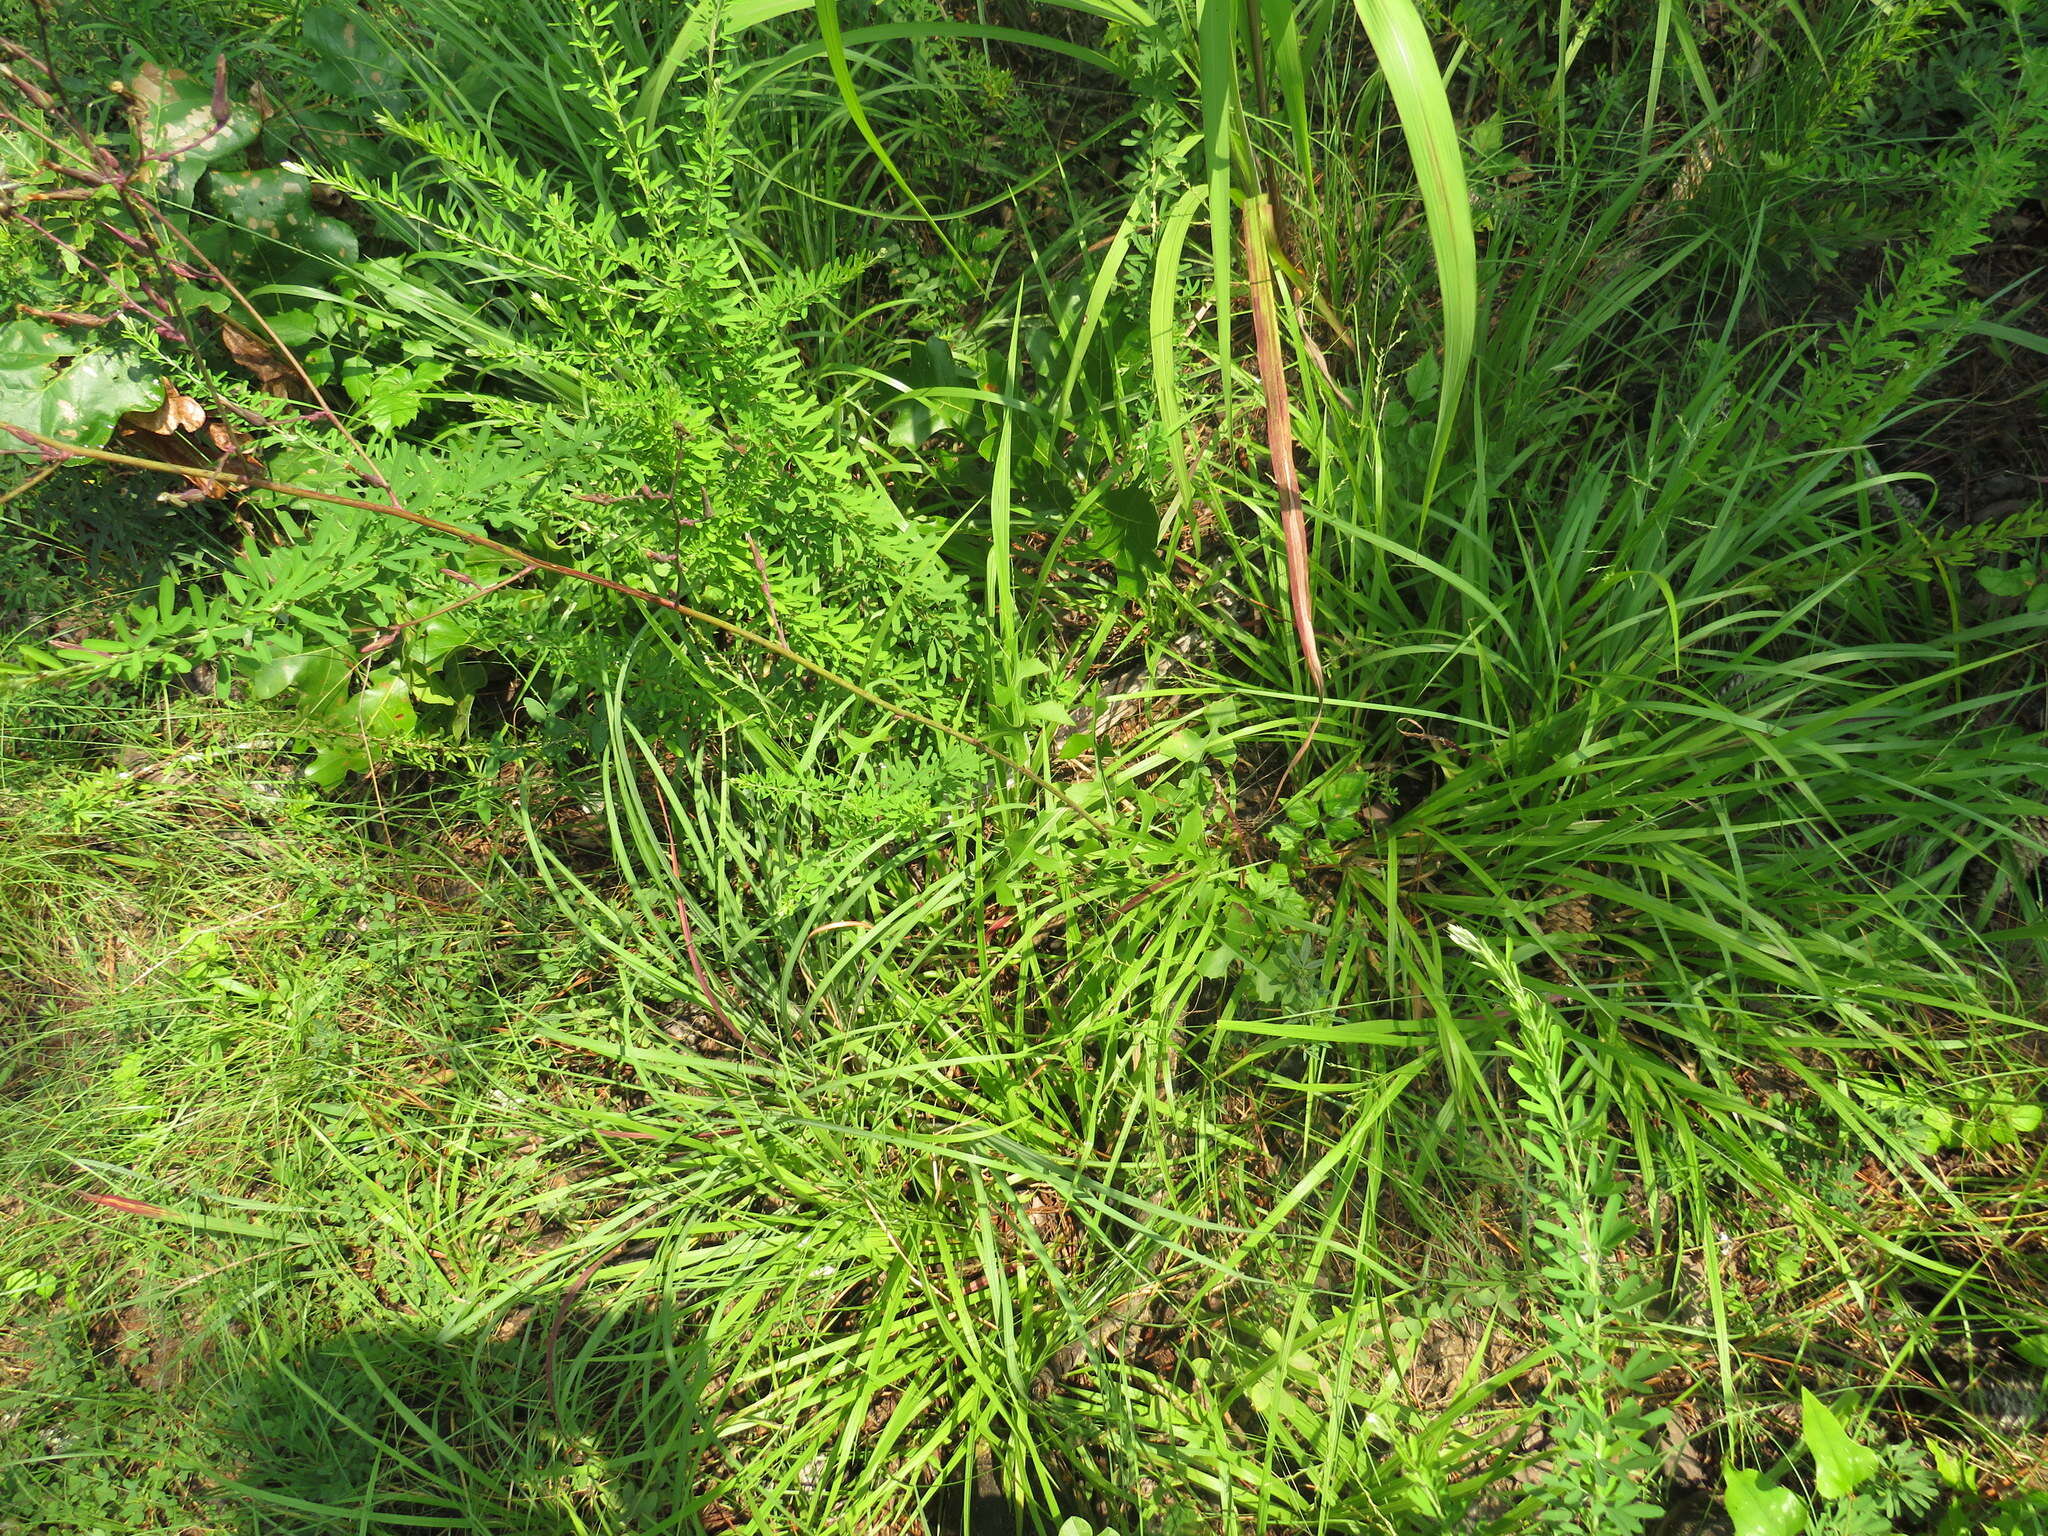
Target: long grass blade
849, 93
1409, 65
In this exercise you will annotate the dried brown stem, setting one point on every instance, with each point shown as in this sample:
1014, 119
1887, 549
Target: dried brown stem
1280, 436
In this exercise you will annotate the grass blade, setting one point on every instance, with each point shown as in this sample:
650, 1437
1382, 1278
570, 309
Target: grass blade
1409, 65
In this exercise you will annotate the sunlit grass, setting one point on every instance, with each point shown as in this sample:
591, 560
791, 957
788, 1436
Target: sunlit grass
1515, 969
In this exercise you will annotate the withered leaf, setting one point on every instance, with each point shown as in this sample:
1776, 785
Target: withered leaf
255, 354
178, 413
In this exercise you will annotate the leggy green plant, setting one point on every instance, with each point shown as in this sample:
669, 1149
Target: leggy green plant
643, 424
1604, 1458
322, 682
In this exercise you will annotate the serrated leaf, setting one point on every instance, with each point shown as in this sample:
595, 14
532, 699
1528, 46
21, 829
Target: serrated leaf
1755, 1511
391, 396
1840, 1465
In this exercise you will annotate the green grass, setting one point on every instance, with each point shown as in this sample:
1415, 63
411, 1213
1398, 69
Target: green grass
1474, 1073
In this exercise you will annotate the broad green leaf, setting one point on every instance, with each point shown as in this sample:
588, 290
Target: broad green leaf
384, 708
174, 116
27, 352
1840, 1465
330, 765
80, 405
90, 396
278, 206
431, 640
317, 677
356, 65
1758, 1511
294, 327
338, 136
27, 345
1125, 532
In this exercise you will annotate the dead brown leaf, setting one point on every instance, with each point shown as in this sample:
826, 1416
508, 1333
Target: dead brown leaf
178, 413
253, 353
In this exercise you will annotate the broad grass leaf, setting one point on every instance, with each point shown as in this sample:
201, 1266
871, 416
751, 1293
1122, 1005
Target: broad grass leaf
1408, 62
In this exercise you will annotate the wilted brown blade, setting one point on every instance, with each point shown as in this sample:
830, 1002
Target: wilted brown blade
1280, 436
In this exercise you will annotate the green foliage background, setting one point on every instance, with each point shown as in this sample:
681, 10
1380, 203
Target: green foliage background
487, 1053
